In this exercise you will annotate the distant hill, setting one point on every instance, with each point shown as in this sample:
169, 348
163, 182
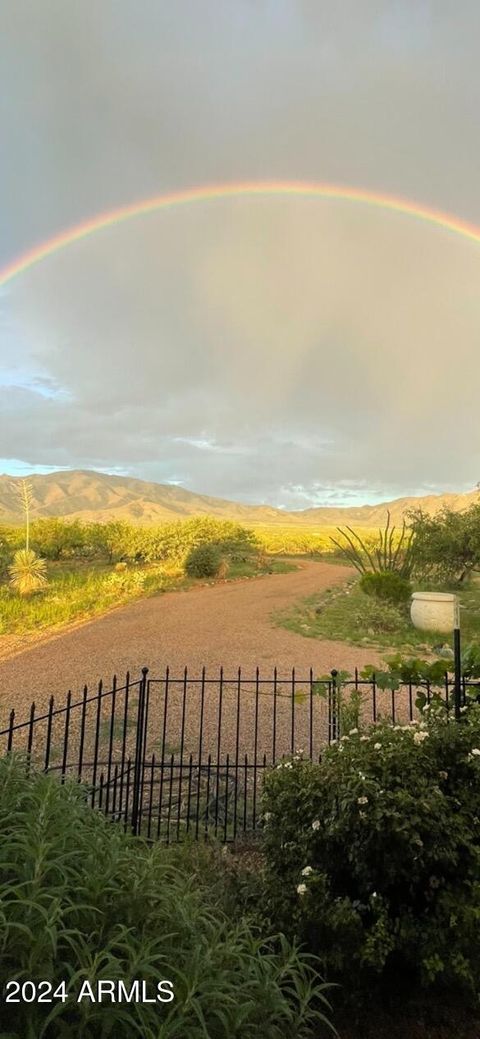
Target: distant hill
90, 495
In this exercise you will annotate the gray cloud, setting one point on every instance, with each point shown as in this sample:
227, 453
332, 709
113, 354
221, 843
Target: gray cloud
282, 350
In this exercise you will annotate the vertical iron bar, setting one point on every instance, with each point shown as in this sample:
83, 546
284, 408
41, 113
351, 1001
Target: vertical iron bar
200, 739
162, 759
255, 745
237, 749
292, 732
49, 734
111, 733
137, 775
219, 742
458, 672
189, 794
182, 744
274, 714
10, 731
225, 823
97, 732
30, 734
207, 806
310, 743
334, 696
150, 807
65, 735
170, 793
82, 733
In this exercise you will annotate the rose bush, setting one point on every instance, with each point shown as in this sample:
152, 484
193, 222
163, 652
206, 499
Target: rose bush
373, 855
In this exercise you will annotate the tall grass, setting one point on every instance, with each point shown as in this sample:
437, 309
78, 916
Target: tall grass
79, 593
81, 900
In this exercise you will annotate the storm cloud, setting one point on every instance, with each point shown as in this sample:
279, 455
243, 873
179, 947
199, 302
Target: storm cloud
294, 351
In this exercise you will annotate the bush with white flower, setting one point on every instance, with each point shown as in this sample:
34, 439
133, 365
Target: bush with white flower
388, 824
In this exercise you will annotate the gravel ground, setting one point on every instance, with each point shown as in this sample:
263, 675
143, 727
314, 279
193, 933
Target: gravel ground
226, 624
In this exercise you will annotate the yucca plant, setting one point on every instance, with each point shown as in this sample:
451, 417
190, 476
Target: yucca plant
383, 557
27, 572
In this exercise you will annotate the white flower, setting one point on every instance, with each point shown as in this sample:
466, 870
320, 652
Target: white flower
353, 732
426, 708
344, 738
364, 739
377, 746
302, 889
307, 871
316, 824
362, 815
419, 737
462, 710
443, 775
267, 816
475, 751
362, 800
374, 894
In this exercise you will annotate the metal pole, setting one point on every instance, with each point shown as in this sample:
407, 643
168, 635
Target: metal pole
334, 711
458, 672
138, 764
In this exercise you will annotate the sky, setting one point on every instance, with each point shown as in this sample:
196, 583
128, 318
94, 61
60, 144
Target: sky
286, 350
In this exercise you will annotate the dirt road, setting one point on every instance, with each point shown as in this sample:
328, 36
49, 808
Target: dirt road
227, 624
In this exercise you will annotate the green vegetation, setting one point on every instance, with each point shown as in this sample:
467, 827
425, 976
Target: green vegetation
27, 572
447, 546
77, 590
373, 858
346, 614
387, 586
204, 561
388, 554
81, 901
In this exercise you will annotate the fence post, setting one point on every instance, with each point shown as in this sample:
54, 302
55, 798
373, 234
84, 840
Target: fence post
333, 707
458, 672
138, 765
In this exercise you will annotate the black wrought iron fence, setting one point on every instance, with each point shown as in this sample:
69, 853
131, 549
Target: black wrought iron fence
174, 756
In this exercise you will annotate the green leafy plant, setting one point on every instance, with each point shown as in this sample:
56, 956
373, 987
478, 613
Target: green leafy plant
447, 545
204, 561
387, 586
373, 855
82, 901
387, 554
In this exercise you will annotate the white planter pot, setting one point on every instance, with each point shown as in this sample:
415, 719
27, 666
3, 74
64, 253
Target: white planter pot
435, 611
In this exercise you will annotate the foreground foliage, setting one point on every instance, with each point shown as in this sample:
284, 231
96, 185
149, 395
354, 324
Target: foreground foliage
374, 854
79, 900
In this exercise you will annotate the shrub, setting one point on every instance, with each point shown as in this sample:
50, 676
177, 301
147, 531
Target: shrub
377, 617
374, 854
27, 572
204, 561
81, 901
395, 554
386, 585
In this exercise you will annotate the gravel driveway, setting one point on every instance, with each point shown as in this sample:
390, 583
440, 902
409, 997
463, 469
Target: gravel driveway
227, 624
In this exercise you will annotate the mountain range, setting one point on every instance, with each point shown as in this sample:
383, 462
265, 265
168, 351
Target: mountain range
90, 495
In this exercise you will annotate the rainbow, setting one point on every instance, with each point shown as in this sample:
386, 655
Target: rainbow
213, 192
